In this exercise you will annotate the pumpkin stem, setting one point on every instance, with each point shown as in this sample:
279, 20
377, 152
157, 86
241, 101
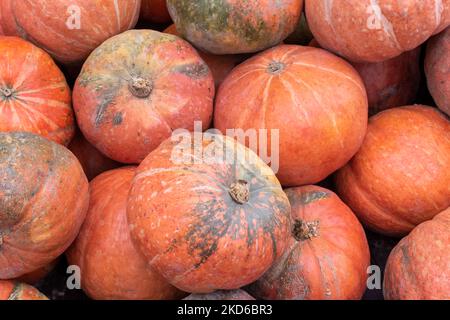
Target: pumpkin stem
6, 92
240, 191
140, 87
305, 230
276, 67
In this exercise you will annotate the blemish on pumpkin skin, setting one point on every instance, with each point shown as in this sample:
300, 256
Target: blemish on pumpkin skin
193, 70
118, 119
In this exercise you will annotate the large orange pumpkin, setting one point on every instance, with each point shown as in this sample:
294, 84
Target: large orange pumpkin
327, 256
373, 31
34, 95
419, 266
208, 213
12, 290
110, 265
138, 87
316, 100
400, 177
235, 26
43, 202
68, 29
437, 68
155, 11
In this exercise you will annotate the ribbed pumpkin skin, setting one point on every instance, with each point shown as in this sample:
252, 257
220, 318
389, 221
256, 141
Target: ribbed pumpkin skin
155, 11
125, 121
374, 31
400, 177
316, 100
437, 68
419, 266
328, 261
235, 26
221, 295
49, 25
43, 202
111, 267
12, 290
34, 95
184, 218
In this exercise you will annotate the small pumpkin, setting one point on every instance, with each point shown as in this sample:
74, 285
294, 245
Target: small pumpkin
419, 266
138, 87
231, 27
111, 266
374, 31
34, 95
207, 213
43, 202
68, 29
13, 290
155, 11
437, 69
223, 295
92, 160
315, 100
327, 256
399, 178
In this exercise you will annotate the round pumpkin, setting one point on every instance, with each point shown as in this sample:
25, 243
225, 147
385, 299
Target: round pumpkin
38, 274
43, 200
399, 178
230, 27
68, 29
92, 160
111, 267
34, 95
155, 11
327, 256
419, 266
12, 290
374, 31
138, 87
207, 213
315, 100
221, 295
437, 69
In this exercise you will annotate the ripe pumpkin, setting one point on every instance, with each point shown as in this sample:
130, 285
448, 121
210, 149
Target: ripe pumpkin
111, 266
230, 26
316, 100
34, 95
43, 202
327, 255
374, 31
39, 274
437, 69
399, 178
221, 295
138, 87
12, 290
220, 65
92, 160
155, 11
419, 266
207, 213
68, 29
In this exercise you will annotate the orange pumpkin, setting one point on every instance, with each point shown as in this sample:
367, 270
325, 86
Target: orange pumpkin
437, 68
419, 266
110, 265
68, 29
12, 290
316, 100
221, 295
374, 31
327, 256
43, 202
138, 87
155, 11
34, 95
399, 178
207, 213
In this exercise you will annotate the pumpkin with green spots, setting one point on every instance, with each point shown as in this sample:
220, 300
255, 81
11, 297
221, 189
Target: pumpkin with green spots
12, 290
235, 26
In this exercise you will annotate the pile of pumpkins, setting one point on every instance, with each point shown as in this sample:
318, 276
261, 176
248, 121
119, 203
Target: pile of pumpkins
337, 80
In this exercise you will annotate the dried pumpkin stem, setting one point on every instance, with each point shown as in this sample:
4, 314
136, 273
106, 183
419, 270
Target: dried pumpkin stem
240, 191
6, 92
305, 230
275, 67
140, 87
